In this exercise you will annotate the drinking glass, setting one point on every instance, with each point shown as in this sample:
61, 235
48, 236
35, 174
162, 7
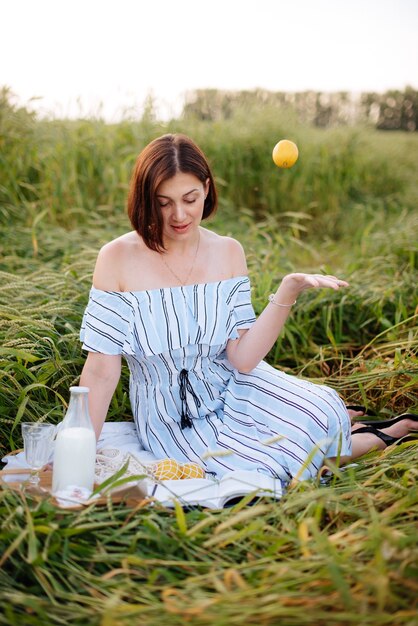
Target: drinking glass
37, 439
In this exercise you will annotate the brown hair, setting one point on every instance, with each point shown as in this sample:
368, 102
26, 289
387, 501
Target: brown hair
160, 160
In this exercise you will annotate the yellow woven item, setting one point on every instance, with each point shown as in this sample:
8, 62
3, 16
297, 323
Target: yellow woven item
192, 470
167, 469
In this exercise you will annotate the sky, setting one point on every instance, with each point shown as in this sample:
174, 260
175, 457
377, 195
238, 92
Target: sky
105, 57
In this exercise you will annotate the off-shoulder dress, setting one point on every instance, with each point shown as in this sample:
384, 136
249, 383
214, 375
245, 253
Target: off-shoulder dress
191, 404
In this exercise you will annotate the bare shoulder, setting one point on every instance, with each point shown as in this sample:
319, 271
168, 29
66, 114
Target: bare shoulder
230, 251
112, 259
233, 245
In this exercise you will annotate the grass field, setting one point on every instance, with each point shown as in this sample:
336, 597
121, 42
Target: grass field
342, 552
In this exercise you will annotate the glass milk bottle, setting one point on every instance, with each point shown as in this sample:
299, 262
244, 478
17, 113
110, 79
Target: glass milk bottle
75, 445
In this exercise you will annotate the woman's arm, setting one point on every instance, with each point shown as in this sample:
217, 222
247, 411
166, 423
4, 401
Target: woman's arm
253, 344
101, 373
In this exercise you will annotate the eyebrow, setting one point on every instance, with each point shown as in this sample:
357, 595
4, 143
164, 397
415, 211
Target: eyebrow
160, 195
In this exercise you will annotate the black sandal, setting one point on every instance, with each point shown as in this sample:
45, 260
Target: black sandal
387, 439
389, 422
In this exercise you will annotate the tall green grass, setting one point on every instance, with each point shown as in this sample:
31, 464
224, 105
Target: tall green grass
341, 552
58, 171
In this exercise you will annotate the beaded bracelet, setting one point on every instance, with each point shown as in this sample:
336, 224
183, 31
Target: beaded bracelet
273, 301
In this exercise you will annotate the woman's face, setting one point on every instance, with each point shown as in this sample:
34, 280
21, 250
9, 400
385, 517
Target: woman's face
181, 199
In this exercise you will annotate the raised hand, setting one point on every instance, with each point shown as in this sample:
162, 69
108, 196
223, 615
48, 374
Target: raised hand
298, 282
293, 284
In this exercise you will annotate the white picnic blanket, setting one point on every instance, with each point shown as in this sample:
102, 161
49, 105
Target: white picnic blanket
118, 442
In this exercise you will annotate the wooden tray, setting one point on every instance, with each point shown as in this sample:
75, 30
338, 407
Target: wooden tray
132, 494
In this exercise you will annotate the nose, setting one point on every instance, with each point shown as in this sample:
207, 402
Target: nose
179, 212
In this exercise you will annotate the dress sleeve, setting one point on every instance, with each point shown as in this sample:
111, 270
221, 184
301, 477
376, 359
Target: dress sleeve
243, 315
105, 325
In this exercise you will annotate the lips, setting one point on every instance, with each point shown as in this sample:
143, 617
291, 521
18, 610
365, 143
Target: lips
180, 228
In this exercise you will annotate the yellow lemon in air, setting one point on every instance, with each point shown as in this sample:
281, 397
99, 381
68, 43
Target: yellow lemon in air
285, 153
167, 469
192, 470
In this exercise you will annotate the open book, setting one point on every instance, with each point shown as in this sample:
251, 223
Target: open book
216, 494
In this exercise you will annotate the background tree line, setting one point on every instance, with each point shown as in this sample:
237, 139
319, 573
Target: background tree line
392, 110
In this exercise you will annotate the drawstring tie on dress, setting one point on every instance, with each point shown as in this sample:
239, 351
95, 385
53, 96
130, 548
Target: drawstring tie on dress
185, 386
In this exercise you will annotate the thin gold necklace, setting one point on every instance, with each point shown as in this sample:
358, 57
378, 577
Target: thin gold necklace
183, 282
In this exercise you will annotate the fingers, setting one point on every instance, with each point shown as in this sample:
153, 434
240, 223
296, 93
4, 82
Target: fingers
309, 281
325, 280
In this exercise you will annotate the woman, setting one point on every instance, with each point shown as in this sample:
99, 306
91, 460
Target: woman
174, 299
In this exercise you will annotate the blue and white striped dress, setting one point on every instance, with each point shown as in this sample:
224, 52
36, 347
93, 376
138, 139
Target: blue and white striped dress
190, 404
